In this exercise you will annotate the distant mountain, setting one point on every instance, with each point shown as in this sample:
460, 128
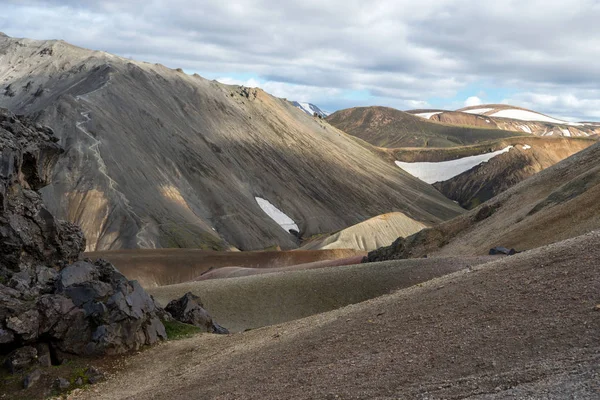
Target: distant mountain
555, 204
158, 158
510, 118
525, 159
310, 109
391, 128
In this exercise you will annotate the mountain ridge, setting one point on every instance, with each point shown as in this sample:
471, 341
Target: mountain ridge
390, 128
158, 158
510, 118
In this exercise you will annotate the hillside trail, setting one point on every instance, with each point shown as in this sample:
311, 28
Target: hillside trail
141, 241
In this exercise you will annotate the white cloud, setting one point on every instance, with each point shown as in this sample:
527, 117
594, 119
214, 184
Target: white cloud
289, 91
399, 51
473, 101
568, 105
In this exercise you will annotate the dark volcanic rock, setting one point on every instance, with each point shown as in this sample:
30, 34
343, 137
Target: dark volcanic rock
413, 246
50, 299
21, 359
502, 250
32, 379
190, 310
62, 384
94, 375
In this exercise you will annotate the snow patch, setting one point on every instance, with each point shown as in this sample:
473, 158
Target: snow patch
431, 172
428, 115
526, 147
277, 215
525, 128
524, 115
306, 107
478, 110
566, 132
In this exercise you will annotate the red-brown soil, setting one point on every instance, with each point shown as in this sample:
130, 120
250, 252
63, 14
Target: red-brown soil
169, 266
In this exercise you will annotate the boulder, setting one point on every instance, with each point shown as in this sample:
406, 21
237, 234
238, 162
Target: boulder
32, 378
44, 357
502, 250
49, 297
94, 375
62, 384
190, 310
21, 359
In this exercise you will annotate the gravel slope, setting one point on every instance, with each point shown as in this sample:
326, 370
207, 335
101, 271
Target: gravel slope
255, 301
525, 326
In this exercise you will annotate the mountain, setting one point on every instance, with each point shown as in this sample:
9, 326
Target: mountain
474, 174
310, 109
388, 127
491, 178
368, 235
510, 118
158, 158
558, 203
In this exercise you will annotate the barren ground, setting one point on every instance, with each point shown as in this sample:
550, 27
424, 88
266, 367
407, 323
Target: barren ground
260, 300
525, 326
158, 267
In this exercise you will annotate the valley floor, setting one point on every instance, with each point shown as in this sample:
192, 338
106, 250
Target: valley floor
525, 326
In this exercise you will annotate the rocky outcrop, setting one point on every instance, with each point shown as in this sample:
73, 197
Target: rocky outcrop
414, 246
52, 303
190, 310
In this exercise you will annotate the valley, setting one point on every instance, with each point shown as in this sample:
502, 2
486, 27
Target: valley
163, 235
183, 167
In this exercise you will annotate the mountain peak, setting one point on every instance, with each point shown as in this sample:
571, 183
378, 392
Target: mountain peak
310, 108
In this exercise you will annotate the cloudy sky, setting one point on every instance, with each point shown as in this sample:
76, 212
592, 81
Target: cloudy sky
540, 54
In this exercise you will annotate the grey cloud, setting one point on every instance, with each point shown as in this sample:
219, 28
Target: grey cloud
399, 50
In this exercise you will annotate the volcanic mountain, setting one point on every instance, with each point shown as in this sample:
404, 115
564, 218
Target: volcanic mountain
388, 127
511, 118
498, 145
558, 203
496, 166
310, 109
158, 158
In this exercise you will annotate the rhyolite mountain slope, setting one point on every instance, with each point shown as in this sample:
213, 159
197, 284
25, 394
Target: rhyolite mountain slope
558, 203
388, 127
158, 158
368, 235
487, 180
510, 118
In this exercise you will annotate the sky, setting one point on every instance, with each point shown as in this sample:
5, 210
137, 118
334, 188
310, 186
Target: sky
344, 53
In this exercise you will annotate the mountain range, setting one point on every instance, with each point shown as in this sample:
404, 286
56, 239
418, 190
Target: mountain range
511, 118
158, 158
370, 253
